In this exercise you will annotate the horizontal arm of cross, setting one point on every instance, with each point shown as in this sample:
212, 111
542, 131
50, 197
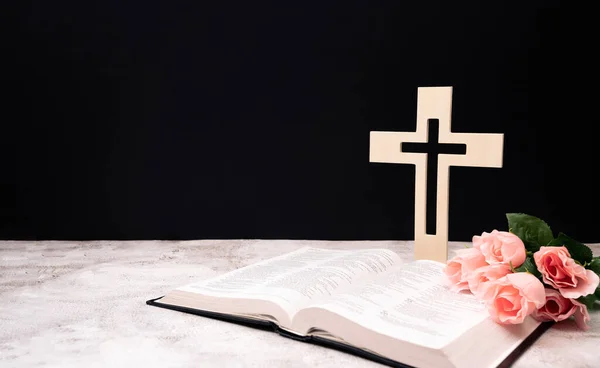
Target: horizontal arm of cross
385, 147
483, 150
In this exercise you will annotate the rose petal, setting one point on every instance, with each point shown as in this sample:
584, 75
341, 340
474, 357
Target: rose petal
582, 316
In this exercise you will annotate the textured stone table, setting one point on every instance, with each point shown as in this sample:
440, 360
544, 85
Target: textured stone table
82, 304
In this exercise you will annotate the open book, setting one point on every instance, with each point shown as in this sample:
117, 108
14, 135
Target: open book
366, 302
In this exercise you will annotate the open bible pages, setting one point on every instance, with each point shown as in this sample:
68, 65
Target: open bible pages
410, 302
408, 314
277, 288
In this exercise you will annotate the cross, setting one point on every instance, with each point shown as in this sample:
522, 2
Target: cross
480, 150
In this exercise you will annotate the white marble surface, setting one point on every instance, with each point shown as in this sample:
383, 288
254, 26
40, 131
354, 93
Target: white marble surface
82, 304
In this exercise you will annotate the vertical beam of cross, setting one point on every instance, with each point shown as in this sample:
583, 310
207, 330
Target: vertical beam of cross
434, 148
482, 150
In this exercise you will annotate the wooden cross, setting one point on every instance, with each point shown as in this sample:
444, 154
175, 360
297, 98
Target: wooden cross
481, 150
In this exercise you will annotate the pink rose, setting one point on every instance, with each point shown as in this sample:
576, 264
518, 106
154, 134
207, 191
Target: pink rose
501, 247
559, 308
513, 297
559, 270
457, 269
480, 277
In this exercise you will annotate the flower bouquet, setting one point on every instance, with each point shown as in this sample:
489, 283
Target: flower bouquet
527, 271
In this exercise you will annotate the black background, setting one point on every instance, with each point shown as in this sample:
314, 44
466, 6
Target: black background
250, 119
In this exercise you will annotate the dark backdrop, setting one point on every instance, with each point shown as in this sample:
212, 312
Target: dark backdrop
251, 119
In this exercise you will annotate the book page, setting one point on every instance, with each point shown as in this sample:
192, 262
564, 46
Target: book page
300, 277
411, 303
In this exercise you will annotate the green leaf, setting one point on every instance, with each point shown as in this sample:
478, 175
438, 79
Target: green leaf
579, 251
533, 231
529, 266
594, 265
588, 300
597, 292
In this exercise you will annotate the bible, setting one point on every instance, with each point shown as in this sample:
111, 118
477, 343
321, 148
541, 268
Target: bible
365, 302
